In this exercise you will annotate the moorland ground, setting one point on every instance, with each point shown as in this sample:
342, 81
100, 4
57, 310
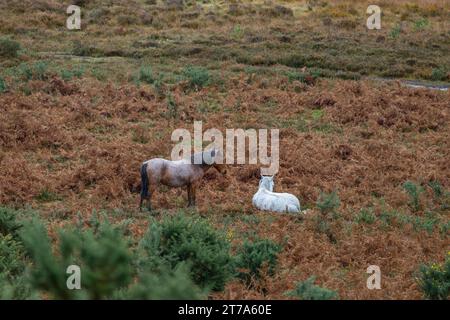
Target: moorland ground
80, 110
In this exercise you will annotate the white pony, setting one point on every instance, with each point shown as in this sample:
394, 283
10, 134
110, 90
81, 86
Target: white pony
266, 199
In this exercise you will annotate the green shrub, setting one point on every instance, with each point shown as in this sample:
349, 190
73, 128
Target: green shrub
167, 285
434, 280
426, 223
40, 70
438, 191
306, 290
102, 255
366, 216
17, 288
413, 190
11, 256
198, 77
35, 71
3, 86
67, 74
25, 72
180, 238
14, 283
253, 256
8, 222
328, 202
146, 75
438, 74
9, 48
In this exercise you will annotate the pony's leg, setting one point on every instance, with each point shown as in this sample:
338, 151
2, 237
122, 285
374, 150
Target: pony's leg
149, 198
189, 192
193, 188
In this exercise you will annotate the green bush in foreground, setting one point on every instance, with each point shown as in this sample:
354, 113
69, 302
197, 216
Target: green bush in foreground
8, 222
166, 285
253, 256
16, 288
307, 290
182, 239
14, 284
103, 257
11, 256
434, 280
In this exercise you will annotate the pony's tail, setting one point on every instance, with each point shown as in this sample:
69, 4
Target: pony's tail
144, 181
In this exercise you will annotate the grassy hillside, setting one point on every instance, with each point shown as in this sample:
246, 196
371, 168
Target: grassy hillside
369, 160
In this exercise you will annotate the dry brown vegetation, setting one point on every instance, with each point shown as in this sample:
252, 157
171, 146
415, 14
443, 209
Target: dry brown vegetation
75, 145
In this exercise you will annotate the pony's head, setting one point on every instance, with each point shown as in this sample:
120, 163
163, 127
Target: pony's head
211, 157
221, 168
267, 182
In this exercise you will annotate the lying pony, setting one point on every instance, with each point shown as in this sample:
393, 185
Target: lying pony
267, 200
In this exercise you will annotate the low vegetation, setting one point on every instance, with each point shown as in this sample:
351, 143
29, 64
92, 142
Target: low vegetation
368, 159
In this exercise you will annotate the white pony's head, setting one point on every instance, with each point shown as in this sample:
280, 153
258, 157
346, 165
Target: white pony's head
267, 183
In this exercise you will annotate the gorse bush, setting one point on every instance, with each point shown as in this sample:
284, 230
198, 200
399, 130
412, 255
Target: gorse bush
180, 238
434, 280
366, 215
14, 283
11, 256
41, 70
413, 190
67, 74
440, 195
3, 86
16, 288
167, 284
328, 202
438, 74
307, 290
198, 77
255, 255
9, 48
179, 257
103, 257
35, 71
146, 75
8, 222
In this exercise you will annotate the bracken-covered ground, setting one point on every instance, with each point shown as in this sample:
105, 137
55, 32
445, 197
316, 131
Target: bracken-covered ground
73, 143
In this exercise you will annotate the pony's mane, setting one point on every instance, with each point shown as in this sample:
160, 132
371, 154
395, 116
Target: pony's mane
208, 153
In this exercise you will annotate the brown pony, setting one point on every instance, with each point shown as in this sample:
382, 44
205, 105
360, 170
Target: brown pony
178, 173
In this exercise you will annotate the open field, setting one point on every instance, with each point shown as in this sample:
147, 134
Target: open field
81, 110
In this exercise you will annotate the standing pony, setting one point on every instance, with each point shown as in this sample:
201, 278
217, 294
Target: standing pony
180, 173
266, 199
